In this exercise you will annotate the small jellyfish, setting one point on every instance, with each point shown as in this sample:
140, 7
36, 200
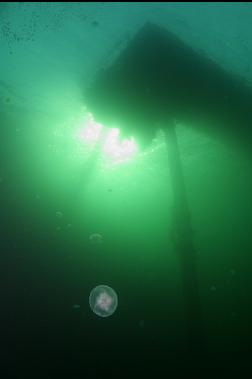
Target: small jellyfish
59, 214
103, 300
96, 239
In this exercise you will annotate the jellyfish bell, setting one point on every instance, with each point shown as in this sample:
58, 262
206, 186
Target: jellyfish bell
96, 239
103, 300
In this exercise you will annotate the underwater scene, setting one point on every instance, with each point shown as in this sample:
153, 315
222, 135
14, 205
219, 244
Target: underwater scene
126, 189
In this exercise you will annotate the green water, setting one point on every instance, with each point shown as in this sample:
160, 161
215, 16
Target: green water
56, 194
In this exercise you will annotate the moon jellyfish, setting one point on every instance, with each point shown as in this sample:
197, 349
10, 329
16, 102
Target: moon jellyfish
59, 214
96, 239
103, 301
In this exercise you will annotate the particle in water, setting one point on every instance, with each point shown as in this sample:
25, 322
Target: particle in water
96, 239
103, 300
213, 288
76, 306
59, 214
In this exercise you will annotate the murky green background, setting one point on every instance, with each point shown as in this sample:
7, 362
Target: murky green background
55, 195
